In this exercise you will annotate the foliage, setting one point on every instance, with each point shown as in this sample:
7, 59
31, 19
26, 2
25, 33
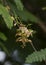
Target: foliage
37, 56
13, 30
5, 14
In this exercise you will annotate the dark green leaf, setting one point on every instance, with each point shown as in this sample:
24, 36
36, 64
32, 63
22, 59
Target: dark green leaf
19, 4
7, 18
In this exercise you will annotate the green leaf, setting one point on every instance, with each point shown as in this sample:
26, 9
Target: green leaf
36, 56
7, 18
27, 16
2, 36
19, 4
24, 15
13, 8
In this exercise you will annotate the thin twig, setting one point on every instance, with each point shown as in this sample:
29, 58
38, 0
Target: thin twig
32, 45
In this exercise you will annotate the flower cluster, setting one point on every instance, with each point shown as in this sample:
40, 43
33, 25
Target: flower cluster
23, 33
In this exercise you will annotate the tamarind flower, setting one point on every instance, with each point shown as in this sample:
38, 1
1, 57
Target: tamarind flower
23, 31
23, 40
23, 34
